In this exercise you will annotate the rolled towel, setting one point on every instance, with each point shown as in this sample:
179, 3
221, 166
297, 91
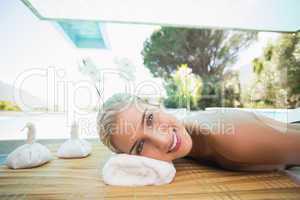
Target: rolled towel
131, 170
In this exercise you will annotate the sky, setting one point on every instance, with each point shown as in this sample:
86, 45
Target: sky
32, 52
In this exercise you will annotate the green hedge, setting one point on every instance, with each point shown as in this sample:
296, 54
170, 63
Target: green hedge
9, 106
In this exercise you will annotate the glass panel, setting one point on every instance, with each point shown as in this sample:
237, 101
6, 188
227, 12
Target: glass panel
84, 34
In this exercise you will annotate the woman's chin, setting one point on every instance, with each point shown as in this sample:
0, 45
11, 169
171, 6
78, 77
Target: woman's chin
186, 146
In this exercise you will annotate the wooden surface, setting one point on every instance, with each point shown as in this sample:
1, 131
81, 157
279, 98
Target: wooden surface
81, 179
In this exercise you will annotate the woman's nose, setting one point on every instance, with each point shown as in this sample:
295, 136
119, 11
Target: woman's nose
161, 139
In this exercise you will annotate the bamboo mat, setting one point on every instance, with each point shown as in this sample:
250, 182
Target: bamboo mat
81, 179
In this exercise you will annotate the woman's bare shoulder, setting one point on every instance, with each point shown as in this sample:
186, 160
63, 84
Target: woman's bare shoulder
220, 121
217, 114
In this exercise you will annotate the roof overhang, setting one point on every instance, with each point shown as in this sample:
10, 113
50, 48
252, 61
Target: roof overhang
262, 15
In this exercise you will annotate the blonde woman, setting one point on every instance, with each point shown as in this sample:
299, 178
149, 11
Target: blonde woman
233, 139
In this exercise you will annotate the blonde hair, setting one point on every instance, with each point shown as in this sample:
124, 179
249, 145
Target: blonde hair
107, 116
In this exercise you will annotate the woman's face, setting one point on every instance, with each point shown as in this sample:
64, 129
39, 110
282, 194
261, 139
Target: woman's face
147, 131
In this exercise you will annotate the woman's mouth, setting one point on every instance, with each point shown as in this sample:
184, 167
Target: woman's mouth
176, 142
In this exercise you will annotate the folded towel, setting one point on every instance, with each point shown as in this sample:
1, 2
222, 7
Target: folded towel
28, 156
31, 154
74, 147
131, 170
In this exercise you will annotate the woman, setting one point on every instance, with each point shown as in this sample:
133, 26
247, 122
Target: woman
235, 140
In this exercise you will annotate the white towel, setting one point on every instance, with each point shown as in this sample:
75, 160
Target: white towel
28, 156
131, 170
74, 147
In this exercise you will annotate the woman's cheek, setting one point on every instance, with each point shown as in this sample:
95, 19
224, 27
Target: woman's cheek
151, 152
166, 121
162, 127
173, 120
147, 150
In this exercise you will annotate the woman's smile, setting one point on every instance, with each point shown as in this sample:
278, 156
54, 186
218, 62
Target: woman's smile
176, 142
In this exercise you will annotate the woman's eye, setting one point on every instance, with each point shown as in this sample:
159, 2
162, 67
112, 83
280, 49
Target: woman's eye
149, 120
140, 147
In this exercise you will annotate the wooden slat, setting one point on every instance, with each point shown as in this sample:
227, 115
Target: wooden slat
81, 179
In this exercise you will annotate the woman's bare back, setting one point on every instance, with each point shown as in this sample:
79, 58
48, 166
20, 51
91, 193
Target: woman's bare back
242, 140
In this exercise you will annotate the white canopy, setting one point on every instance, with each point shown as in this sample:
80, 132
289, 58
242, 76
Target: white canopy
266, 15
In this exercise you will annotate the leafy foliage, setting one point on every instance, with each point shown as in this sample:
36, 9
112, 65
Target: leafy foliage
183, 89
9, 106
278, 72
206, 52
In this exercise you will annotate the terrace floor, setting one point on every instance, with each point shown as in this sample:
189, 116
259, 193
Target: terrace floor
81, 179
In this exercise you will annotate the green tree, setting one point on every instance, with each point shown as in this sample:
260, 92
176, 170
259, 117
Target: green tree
206, 51
183, 89
278, 72
288, 52
9, 106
